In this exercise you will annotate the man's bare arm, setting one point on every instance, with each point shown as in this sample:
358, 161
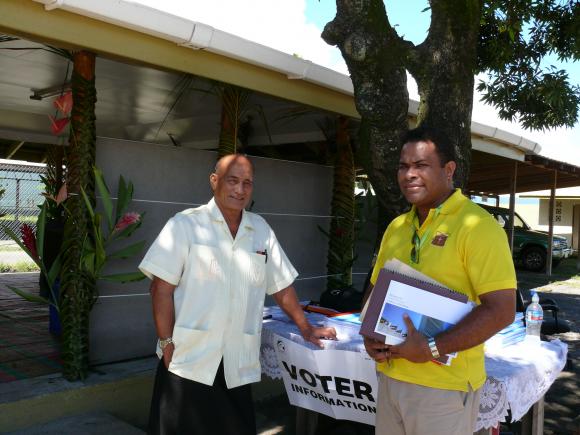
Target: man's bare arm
163, 313
288, 301
495, 312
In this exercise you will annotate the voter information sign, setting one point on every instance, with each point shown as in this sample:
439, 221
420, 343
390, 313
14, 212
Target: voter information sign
339, 383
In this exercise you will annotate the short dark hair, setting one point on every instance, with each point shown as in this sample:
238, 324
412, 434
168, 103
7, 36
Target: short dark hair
443, 145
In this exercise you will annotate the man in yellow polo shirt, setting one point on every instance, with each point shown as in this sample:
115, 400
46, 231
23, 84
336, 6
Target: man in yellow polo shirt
456, 242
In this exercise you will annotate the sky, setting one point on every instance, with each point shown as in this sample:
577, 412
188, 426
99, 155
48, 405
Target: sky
294, 27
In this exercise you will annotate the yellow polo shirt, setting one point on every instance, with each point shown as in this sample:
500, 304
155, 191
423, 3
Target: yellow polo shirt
464, 248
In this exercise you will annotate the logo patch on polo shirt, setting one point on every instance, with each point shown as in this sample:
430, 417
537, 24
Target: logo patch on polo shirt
439, 239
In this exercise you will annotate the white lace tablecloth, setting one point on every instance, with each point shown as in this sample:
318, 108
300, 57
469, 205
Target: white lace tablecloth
517, 376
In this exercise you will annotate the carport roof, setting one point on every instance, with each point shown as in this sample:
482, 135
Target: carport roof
491, 174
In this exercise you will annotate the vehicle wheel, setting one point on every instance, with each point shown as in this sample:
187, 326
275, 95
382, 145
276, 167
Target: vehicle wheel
534, 259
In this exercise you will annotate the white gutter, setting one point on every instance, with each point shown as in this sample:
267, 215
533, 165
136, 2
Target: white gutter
487, 132
200, 36
520, 142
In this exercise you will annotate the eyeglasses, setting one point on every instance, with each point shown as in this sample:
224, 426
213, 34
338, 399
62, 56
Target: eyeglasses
416, 241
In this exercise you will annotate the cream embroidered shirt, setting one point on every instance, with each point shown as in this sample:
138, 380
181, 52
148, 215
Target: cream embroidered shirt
221, 284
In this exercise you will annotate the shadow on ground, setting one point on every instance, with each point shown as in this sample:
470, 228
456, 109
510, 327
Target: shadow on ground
276, 416
563, 399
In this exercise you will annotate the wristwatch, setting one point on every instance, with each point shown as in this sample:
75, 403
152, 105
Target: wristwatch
164, 342
433, 348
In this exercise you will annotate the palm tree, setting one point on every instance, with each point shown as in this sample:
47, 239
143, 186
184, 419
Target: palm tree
78, 289
234, 102
341, 235
236, 113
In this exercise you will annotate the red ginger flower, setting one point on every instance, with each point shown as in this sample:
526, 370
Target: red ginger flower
29, 239
57, 126
127, 219
61, 196
64, 103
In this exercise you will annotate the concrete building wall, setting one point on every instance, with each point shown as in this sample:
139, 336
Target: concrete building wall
536, 216
562, 211
293, 197
529, 213
563, 216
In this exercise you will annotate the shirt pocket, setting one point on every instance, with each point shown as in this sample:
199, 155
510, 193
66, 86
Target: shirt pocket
257, 270
192, 346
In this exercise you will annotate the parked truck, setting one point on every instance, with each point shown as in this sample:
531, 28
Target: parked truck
530, 246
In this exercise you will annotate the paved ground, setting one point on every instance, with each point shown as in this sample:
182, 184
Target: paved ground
276, 416
563, 399
27, 349
97, 423
562, 411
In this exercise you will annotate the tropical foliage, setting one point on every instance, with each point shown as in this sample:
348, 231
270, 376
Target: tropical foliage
341, 235
78, 288
118, 224
96, 253
33, 245
509, 41
237, 113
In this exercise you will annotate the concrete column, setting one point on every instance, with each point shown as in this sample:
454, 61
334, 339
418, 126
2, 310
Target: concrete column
513, 183
551, 225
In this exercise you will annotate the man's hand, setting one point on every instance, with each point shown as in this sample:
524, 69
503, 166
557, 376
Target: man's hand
288, 301
313, 335
377, 350
168, 354
415, 348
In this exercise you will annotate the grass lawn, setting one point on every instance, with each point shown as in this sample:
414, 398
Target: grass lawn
19, 266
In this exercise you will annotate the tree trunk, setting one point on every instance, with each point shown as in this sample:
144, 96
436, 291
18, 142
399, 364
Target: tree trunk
444, 67
366, 40
78, 290
377, 59
341, 240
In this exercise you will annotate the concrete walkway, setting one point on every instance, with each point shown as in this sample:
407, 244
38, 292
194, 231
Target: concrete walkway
275, 416
562, 412
86, 424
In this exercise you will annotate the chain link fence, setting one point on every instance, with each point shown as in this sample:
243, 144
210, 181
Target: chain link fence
22, 195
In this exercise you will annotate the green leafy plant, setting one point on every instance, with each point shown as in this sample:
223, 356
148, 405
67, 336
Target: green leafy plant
33, 245
119, 224
238, 113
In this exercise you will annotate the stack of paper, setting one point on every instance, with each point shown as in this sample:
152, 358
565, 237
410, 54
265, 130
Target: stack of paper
400, 290
511, 334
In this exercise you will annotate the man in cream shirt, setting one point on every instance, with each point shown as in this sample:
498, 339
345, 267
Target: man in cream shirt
211, 268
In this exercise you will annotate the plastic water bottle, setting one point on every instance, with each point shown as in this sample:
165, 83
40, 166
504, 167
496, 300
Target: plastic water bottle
534, 317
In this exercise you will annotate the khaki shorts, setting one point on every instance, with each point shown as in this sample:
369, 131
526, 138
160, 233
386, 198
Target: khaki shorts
409, 409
